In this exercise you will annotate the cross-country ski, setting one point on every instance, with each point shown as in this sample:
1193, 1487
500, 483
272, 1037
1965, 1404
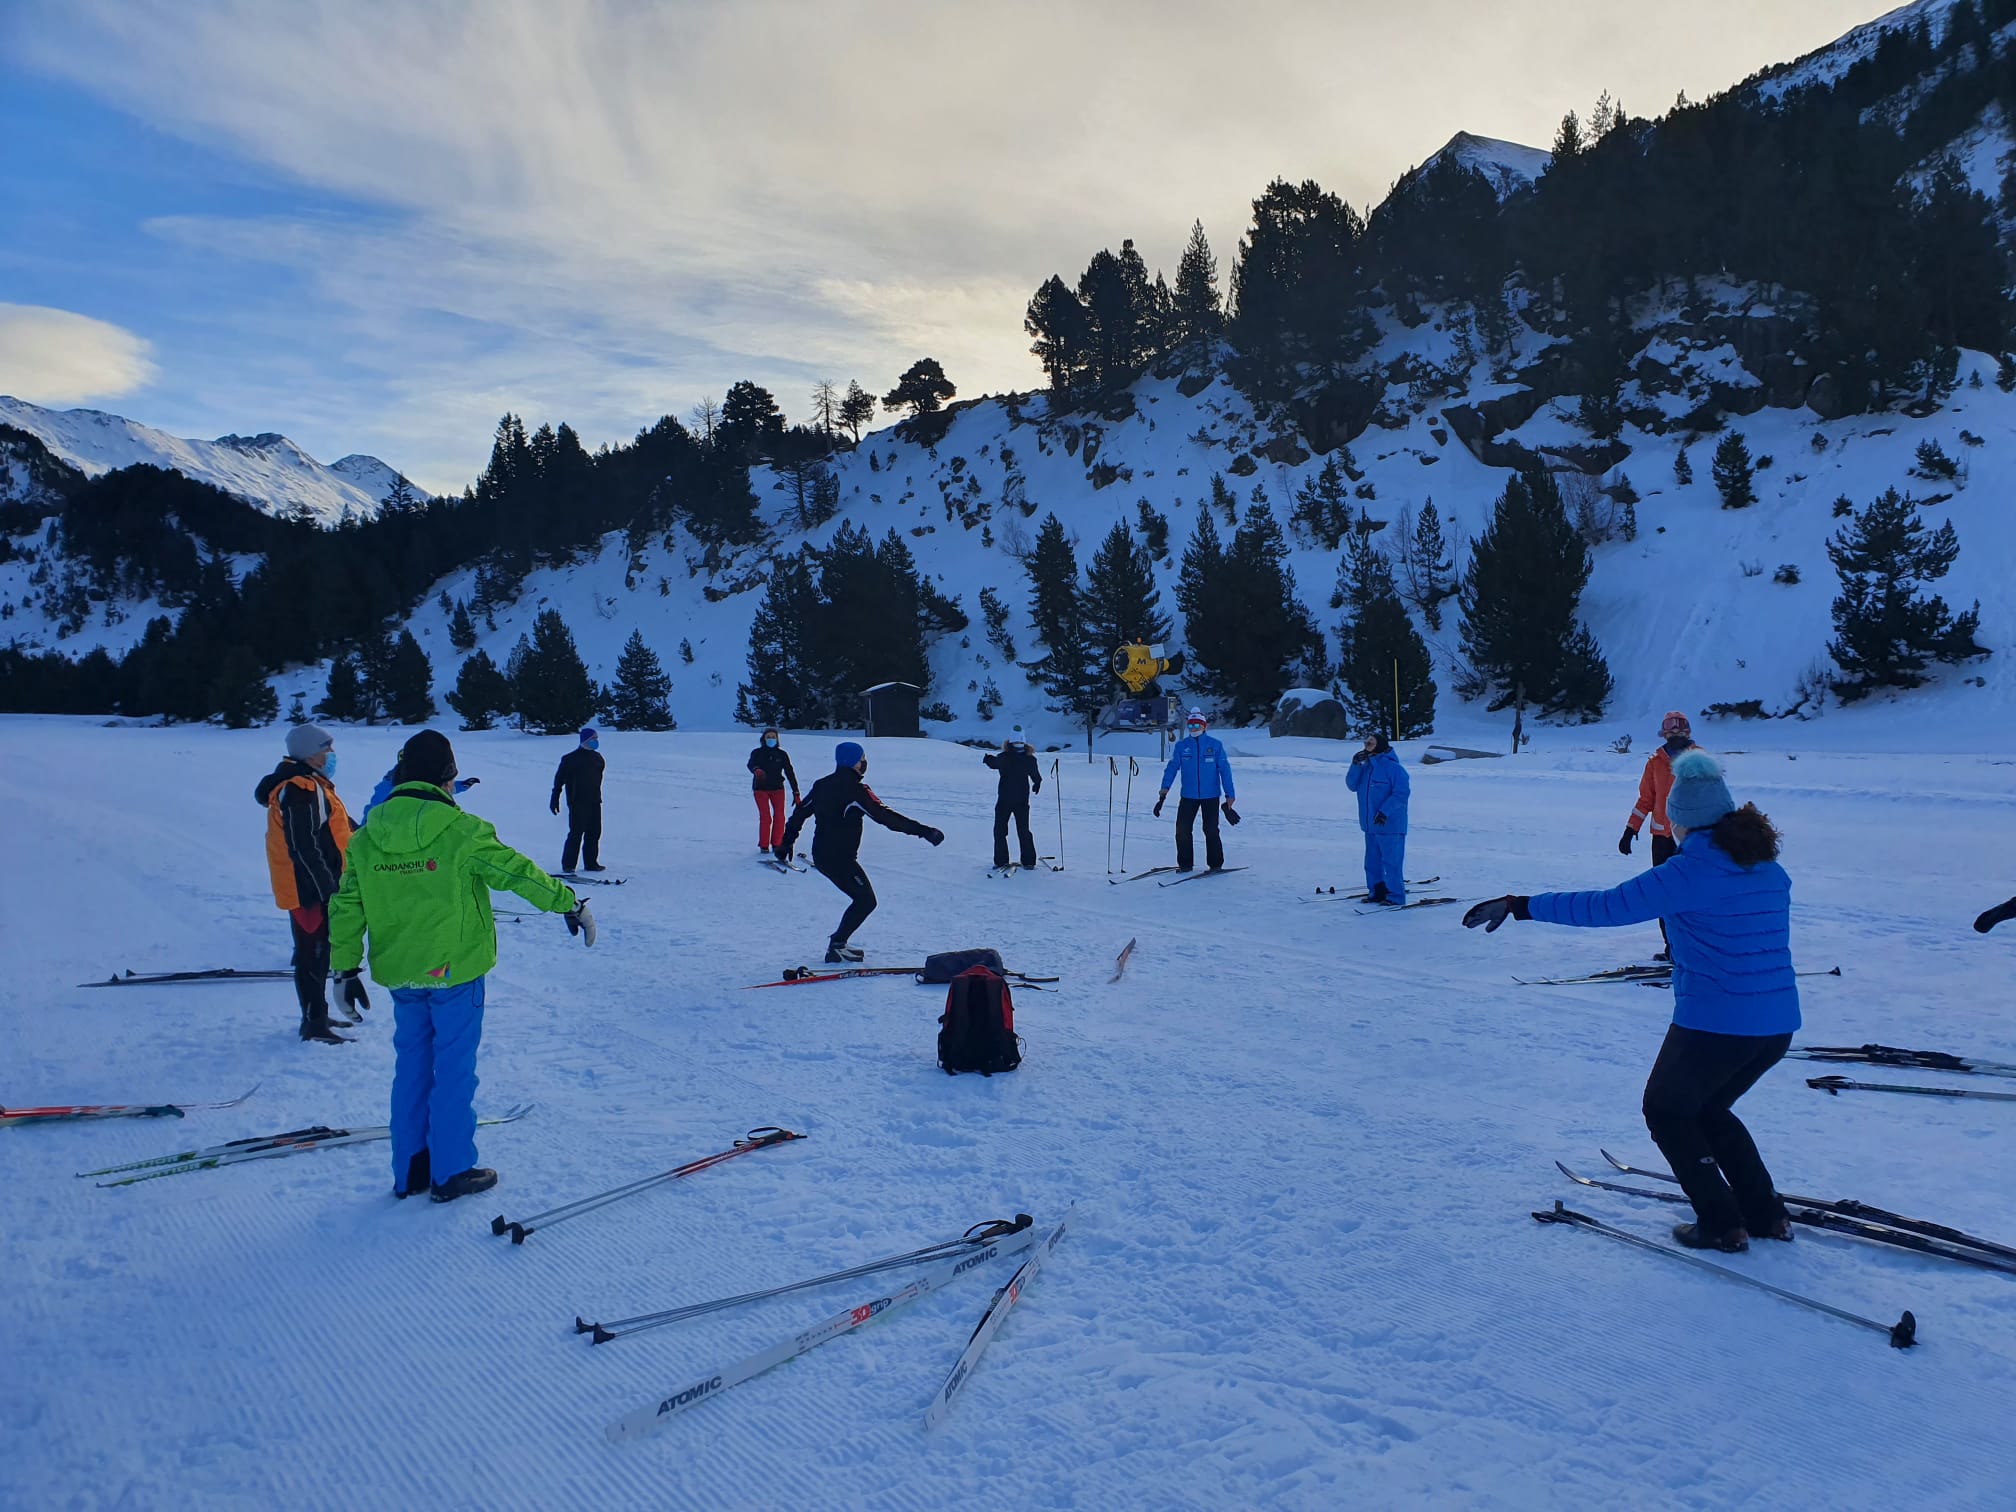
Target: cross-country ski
171, 978
522, 1228
990, 1324
271, 1147
83, 1111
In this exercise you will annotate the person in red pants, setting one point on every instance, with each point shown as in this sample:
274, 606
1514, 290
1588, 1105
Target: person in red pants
771, 768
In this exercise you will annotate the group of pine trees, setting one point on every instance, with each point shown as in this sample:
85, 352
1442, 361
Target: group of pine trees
835, 622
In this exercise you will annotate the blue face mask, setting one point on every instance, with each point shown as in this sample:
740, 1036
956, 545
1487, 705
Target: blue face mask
591, 745
329, 766
771, 741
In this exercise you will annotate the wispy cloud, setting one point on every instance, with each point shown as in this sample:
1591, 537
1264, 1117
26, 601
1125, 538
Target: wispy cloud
60, 357
603, 210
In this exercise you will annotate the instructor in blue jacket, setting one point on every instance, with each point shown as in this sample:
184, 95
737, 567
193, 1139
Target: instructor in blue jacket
1380, 782
1727, 904
1200, 764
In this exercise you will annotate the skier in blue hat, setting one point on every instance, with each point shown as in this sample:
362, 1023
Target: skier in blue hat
839, 801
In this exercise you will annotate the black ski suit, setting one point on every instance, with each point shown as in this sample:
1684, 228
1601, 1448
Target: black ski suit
839, 801
580, 777
1020, 776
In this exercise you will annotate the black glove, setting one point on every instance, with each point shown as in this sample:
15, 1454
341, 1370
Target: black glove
1358, 756
1624, 841
352, 986
469, 782
2001, 913
556, 806
580, 921
1159, 798
1231, 814
1378, 818
1496, 911
782, 853
935, 836
1036, 786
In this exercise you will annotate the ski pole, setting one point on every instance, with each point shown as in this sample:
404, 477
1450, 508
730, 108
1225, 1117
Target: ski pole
757, 1139
1059, 781
1112, 772
1127, 813
977, 1237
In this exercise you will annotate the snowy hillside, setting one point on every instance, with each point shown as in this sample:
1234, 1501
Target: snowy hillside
1827, 64
268, 470
1507, 166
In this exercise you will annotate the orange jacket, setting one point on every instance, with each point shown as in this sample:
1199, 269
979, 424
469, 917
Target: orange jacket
304, 817
1652, 790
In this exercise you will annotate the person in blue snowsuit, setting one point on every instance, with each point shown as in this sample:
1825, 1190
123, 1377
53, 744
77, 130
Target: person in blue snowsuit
1727, 904
1199, 763
391, 780
1380, 782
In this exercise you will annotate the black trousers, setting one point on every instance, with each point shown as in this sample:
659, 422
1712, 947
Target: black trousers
1187, 810
1664, 849
311, 966
584, 830
1689, 1098
1003, 809
851, 880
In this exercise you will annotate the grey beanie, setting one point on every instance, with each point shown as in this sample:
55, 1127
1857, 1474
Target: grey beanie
1699, 796
307, 740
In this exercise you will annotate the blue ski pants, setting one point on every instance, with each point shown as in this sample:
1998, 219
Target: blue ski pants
434, 1037
1386, 861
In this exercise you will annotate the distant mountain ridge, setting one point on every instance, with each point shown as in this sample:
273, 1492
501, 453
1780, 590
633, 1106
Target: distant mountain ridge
267, 471
1507, 166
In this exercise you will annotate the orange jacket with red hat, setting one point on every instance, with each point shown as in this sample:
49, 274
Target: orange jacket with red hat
1657, 781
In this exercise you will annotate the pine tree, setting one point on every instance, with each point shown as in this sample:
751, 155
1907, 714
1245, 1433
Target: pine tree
481, 693
1062, 329
1197, 314
1122, 605
1223, 498
1070, 671
551, 689
1734, 472
462, 629
1248, 633
826, 407
856, 410
994, 614
1520, 598
239, 693
1426, 567
750, 424
1381, 654
781, 689
1886, 627
1110, 297
922, 389
1154, 527
1323, 507
638, 697
343, 700
1683, 468
405, 689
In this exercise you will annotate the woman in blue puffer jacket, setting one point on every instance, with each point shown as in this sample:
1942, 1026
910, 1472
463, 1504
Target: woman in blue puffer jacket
1727, 904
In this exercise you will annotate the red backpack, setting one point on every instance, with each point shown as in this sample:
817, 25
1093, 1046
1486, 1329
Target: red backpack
977, 1030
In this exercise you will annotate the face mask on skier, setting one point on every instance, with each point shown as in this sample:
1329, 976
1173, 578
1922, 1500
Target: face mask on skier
770, 741
591, 745
329, 765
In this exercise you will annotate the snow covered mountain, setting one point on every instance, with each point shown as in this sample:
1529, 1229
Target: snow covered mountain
268, 471
1506, 166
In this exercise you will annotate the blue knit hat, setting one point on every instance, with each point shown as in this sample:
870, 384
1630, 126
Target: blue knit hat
1699, 796
848, 753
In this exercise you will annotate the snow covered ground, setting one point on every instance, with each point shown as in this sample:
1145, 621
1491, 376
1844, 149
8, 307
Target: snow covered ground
1304, 1146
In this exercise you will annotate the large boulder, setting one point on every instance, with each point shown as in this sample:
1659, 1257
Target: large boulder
1309, 712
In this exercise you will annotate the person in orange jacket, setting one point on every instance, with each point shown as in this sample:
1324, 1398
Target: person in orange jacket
1676, 736
307, 836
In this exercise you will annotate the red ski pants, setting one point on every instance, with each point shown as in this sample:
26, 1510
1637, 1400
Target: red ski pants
769, 817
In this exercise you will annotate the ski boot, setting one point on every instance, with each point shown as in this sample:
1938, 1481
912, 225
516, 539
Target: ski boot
1692, 1236
475, 1179
315, 1026
419, 1176
838, 954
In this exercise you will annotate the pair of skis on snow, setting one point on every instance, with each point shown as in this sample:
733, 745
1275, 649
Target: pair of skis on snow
1657, 974
69, 1112
1335, 895
262, 1147
1163, 871
1045, 863
942, 1264
802, 976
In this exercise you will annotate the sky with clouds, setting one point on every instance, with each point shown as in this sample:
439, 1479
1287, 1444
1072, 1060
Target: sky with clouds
376, 226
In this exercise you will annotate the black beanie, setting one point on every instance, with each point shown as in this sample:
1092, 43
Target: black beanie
427, 757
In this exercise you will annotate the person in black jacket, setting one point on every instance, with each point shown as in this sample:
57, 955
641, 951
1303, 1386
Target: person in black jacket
1020, 776
771, 768
839, 801
580, 777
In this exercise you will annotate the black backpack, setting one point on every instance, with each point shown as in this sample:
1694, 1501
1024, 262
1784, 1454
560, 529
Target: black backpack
977, 1030
947, 964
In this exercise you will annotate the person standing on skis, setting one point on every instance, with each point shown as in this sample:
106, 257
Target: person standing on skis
1380, 782
307, 835
419, 886
770, 768
1199, 762
1020, 776
1728, 904
1676, 737
838, 802
579, 776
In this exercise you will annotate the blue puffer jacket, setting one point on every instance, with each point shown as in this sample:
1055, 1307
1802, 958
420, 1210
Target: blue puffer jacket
1380, 782
384, 790
1200, 761
1729, 928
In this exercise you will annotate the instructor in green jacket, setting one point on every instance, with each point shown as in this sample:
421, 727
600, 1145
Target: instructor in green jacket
418, 883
